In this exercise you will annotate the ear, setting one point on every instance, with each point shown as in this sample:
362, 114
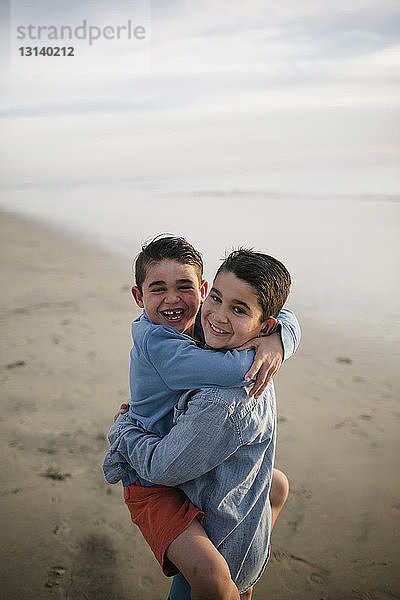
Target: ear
269, 326
137, 294
203, 290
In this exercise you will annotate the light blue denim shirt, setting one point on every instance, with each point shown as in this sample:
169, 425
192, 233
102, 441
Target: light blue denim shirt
220, 452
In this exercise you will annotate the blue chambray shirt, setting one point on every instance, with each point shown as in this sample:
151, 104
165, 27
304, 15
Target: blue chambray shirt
164, 363
220, 452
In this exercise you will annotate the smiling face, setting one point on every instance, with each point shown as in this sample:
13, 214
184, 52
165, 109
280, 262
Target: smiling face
231, 314
171, 294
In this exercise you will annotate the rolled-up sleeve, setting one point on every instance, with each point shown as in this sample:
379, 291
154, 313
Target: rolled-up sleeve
204, 436
290, 332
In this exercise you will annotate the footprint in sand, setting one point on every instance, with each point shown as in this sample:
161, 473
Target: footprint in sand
61, 528
16, 444
344, 360
302, 493
146, 583
95, 571
55, 474
317, 578
295, 572
372, 595
16, 364
358, 427
55, 576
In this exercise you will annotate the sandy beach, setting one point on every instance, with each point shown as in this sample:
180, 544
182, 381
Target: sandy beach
65, 314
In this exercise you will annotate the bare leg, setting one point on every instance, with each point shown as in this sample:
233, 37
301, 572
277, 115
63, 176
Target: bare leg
278, 493
201, 564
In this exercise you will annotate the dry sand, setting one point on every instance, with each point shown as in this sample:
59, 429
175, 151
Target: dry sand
65, 316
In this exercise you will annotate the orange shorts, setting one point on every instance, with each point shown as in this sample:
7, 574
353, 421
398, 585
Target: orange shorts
161, 513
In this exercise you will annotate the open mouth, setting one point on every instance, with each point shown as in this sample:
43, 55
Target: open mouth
173, 315
217, 330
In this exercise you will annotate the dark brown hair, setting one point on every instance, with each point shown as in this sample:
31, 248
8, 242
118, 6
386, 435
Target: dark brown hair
166, 247
269, 277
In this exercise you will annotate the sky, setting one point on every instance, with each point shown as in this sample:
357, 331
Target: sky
280, 96
269, 124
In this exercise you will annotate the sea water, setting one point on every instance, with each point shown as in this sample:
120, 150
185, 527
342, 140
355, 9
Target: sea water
342, 250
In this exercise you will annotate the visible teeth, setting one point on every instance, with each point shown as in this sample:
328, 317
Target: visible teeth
216, 329
173, 315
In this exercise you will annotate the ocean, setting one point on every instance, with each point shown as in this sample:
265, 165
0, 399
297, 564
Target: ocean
342, 250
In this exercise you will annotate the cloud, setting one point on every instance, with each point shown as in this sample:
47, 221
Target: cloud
234, 86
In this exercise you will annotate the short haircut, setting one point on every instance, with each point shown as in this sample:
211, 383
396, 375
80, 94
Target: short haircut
166, 247
269, 278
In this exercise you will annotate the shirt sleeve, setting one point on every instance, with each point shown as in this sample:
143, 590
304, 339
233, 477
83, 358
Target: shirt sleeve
203, 437
183, 365
290, 332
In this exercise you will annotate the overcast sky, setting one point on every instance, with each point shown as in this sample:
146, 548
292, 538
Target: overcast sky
238, 92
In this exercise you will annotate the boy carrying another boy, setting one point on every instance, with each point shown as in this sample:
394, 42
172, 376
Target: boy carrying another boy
165, 362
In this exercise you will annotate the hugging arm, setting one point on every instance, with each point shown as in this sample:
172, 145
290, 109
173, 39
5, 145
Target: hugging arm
203, 437
272, 350
183, 365
290, 332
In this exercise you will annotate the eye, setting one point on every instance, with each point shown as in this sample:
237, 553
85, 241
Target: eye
238, 310
215, 298
158, 290
185, 287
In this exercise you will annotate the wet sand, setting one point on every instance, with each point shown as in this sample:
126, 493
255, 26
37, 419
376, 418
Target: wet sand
65, 316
